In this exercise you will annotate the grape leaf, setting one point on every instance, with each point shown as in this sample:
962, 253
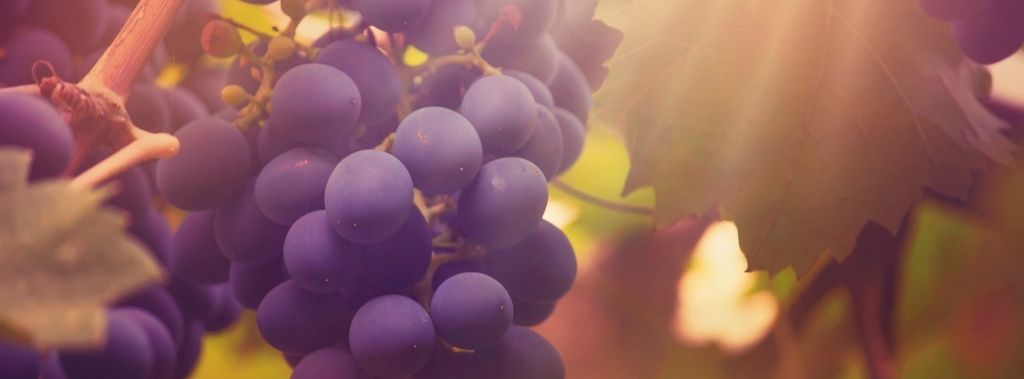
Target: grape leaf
62, 260
801, 120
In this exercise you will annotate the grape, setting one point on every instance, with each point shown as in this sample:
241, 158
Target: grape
503, 112
540, 269
11, 13
440, 149
570, 89
538, 16
210, 167
250, 283
531, 314
471, 310
374, 76
126, 352
195, 255
314, 102
153, 230
184, 106
225, 312
402, 259
27, 47
336, 34
116, 16
52, 369
165, 351
31, 122
504, 203
317, 258
293, 360
445, 87
206, 84
148, 109
182, 39
541, 93
433, 32
451, 269
391, 336
992, 34
299, 322
80, 23
328, 363
189, 350
537, 57
293, 184
133, 193
159, 303
244, 234
18, 363
953, 10
574, 135
368, 196
195, 301
394, 16
520, 354
241, 70
544, 148
446, 363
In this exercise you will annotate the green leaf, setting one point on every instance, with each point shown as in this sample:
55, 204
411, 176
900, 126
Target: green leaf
801, 120
63, 260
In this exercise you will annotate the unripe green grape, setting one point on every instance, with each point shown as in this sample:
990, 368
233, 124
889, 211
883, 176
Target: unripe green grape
465, 37
280, 48
294, 8
235, 96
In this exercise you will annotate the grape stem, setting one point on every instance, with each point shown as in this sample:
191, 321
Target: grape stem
603, 203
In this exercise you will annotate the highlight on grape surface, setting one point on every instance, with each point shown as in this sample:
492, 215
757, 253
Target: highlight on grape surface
510, 189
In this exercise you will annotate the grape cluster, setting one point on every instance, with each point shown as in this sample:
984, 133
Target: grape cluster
987, 31
383, 218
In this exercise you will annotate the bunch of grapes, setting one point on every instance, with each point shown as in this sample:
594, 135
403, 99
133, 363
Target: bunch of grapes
987, 31
382, 217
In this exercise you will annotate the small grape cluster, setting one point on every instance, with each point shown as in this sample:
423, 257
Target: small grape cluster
987, 31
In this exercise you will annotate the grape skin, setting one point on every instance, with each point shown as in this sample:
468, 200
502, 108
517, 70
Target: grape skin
539, 90
243, 233
544, 148
504, 203
211, 166
471, 310
317, 258
440, 149
17, 362
126, 353
391, 336
531, 314
503, 112
993, 33
299, 322
540, 269
574, 136
314, 102
379, 86
328, 363
399, 261
165, 354
368, 196
32, 123
293, 184
570, 89
250, 283
520, 354
195, 255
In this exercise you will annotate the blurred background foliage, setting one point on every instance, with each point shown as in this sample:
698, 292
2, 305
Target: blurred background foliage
677, 303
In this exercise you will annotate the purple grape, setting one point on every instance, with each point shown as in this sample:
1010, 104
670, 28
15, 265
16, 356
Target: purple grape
184, 107
29, 46
574, 136
250, 283
155, 232
206, 84
195, 255
80, 23
471, 311
161, 343
314, 102
446, 363
531, 314
446, 86
540, 269
126, 352
147, 107
394, 16
368, 196
544, 148
451, 269
328, 363
211, 166
317, 258
133, 193
12, 12
433, 32
539, 90
391, 336
503, 112
537, 57
189, 350
226, 310
293, 184
993, 33
521, 353
570, 89
504, 204
18, 363
196, 301
30, 122
159, 303
440, 149
299, 322
244, 234
374, 76
401, 260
